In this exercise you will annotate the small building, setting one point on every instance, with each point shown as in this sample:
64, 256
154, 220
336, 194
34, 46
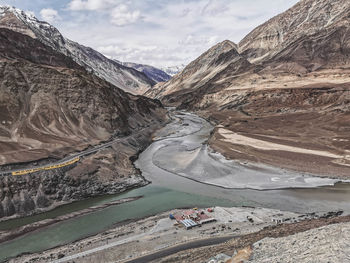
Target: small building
188, 223
191, 218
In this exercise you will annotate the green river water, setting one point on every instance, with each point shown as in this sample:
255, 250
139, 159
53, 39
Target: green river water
167, 192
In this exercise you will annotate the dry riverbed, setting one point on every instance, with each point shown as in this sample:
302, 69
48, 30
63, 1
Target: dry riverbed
156, 233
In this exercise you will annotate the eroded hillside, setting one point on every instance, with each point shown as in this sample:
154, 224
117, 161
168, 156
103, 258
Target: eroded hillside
52, 107
286, 82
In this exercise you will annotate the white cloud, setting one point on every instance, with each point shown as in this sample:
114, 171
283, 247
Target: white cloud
163, 33
192, 40
91, 5
119, 14
214, 8
49, 15
153, 55
122, 16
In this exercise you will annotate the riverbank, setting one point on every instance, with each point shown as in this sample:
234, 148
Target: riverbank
20, 231
321, 151
186, 154
148, 238
158, 232
105, 169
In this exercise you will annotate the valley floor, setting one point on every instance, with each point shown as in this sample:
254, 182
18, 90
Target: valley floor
320, 149
157, 239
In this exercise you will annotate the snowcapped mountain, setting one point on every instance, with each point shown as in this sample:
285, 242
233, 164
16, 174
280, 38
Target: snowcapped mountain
173, 70
126, 78
153, 73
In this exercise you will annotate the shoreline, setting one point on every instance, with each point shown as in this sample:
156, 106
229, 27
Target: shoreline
143, 182
256, 189
7, 236
213, 143
307, 162
250, 166
246, 244
157, 233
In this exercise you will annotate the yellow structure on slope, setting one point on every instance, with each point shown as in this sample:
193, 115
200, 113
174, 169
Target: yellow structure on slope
28, 171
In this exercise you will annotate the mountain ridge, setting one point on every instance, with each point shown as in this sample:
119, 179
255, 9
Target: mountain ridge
286, 82
173, 70
199, 71
126, 78
306, 17
52, 107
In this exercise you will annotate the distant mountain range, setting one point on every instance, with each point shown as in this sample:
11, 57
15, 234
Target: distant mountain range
155, 74
126, 78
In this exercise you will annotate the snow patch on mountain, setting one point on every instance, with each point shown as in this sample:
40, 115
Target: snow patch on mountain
173, 70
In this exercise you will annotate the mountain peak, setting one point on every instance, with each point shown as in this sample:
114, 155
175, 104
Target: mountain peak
227, 43
23, 16
12, 9
26, 23
221, 47
209, 65
305, 18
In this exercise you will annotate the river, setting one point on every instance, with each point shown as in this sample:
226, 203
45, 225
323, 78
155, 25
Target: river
175, 185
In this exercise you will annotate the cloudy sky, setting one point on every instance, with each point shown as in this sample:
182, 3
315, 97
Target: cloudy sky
156, 32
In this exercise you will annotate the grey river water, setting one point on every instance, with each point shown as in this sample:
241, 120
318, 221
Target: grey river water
176, 186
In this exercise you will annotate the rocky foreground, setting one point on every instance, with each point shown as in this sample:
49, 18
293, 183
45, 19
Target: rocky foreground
312, 240
324, 244
238, 233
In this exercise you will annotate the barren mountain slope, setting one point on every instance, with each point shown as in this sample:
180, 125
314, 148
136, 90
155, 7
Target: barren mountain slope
204, 69
48, 102
304, 19
124, 77
298, 95
50, 107
327, 49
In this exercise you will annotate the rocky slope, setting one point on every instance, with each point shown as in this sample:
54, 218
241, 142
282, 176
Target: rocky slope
311, 36
314, 245
213, 64
155, 74
49, 107
286, 83
305, 19
124, 77
315, 240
